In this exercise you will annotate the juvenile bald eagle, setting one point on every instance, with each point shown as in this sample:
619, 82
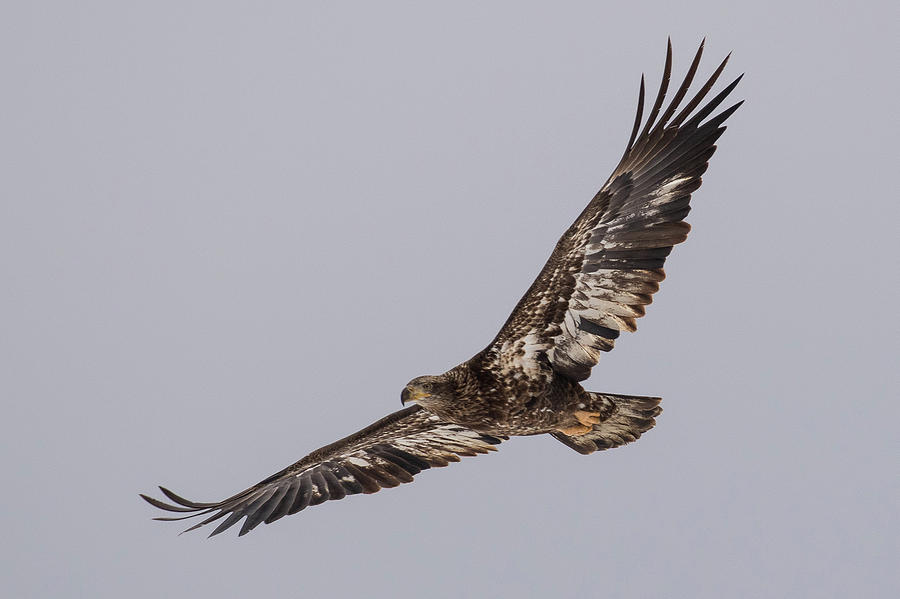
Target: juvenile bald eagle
601, 274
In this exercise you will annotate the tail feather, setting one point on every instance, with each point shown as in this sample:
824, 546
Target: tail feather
634, 415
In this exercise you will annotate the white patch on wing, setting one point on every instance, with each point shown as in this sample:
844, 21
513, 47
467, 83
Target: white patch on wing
520, 358
670, 184
532, 345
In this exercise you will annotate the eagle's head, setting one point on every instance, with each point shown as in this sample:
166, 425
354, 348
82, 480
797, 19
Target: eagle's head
429, 391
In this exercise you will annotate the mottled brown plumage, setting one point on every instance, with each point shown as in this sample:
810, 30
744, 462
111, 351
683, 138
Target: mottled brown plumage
596, 283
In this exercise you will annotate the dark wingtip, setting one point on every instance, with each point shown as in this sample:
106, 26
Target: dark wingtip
661, 94
185, 502
165, 506
637, 118
682, 90
698, 97
194, 527
714, 103
727, 113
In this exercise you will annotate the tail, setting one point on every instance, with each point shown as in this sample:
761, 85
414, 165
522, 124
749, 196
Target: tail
633, 416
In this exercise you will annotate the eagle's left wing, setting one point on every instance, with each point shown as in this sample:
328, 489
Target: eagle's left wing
384, 454
608, 264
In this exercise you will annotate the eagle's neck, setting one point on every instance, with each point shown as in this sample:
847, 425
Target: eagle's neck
466, 383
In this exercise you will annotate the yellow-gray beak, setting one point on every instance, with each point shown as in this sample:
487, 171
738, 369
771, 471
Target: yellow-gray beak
408, 395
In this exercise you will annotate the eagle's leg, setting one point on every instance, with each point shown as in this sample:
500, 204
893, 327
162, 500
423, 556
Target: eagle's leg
585, 423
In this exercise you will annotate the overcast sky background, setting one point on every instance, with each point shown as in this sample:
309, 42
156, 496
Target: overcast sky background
230, 233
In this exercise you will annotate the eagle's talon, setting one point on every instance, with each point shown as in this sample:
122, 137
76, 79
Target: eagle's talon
586, 421
588, 418
576, 430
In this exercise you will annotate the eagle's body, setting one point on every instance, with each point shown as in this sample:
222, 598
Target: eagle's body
489, 400
596, 283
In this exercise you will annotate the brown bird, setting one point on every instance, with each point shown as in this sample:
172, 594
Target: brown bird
602, 272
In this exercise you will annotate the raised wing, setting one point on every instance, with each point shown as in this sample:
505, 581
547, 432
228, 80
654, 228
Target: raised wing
384, 454
606, 267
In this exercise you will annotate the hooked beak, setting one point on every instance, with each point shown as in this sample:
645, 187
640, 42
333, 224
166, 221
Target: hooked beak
408, 395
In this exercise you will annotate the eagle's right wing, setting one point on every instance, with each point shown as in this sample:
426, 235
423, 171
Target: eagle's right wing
384, 454
608, 264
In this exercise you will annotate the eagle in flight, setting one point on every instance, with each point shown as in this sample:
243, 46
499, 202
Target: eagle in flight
600, 276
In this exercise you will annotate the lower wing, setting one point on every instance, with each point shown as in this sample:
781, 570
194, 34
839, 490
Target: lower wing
384, 454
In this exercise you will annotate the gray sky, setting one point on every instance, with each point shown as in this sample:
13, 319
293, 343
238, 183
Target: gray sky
231, 233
